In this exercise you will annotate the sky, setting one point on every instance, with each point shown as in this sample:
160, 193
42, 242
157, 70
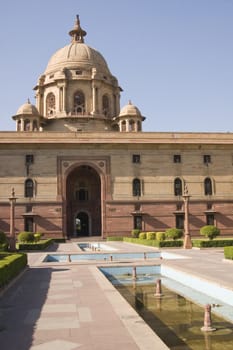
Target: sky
172, 58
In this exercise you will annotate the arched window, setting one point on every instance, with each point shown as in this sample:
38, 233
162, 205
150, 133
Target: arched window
178, 187
34, 125
123, 125
105, 105
28, 188
208, 186
79, 102
50, 104
139, 126
27, 125
131, 125
136, 187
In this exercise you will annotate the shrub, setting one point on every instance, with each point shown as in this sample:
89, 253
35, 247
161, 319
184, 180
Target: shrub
210, 231
2, 237
160, 236
37, 236
142, 235
228, 253
10, 266
174, 233
26, 237
150, 235
135, 233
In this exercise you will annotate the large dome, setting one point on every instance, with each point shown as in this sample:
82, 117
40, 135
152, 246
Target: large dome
77, 55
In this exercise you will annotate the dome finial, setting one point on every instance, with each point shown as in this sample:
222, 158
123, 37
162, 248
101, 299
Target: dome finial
77, 33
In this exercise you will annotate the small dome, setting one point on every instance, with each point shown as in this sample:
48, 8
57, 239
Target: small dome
27, 108
130, 110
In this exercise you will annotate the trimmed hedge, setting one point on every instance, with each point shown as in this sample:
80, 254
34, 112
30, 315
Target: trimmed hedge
10, 266
228, 253
114, 238
154, 242
35, 246
199, 243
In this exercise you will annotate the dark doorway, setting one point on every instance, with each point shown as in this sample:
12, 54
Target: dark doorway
83, 195
82, 224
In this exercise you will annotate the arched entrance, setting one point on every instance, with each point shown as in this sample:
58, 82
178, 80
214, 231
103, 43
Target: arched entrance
83, 202
82, 224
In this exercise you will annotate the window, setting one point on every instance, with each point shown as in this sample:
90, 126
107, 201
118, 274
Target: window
136, 158
105, 105
177, 158
123, 125
79, 102
178, 187
50, 104
28, 224
82, 194
138, 222
29, 159
136, 187
28, 188
27, 125
206, 159
180, 221
78, 72
131, 125
208, 186
210, 219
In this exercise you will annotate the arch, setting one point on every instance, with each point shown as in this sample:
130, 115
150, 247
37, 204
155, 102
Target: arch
82, 224
123, 125
79, 102
50, 104
83, 195
34, 125
208, 190
27, 125
136, 187
28, 188
131, 125
139, 125
178, 191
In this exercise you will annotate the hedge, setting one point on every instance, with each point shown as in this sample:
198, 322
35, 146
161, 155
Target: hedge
154, 242
199, 243
228, 253
35, 246
10, 266
114, 238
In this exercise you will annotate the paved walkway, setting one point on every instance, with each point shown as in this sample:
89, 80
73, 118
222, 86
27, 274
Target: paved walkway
72, 306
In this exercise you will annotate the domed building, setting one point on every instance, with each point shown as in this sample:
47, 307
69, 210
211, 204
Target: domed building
80, 164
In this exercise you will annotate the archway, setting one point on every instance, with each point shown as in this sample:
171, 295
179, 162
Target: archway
83, 202
82, 224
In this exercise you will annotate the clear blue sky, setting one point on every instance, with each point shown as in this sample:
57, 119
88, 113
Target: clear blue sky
173, 58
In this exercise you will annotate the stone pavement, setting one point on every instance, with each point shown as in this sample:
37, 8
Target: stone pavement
72, 306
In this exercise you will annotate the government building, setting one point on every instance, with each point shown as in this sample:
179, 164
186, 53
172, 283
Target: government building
81, 165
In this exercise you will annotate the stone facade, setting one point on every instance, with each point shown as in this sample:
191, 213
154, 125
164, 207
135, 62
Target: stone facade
80, 165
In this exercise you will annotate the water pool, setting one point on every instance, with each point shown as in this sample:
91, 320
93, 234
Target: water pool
101, 256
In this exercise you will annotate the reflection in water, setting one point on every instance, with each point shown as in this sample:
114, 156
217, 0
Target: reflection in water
177, 320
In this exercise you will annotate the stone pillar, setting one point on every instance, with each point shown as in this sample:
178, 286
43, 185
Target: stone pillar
187, 237
158, 289
207, 320
12, 200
